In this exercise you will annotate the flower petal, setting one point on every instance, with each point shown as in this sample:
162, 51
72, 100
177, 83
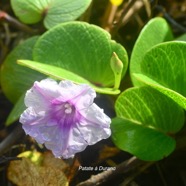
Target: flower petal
94, 114
32, 121
30, 117
40, 95
80, 95
70, 143
95, 125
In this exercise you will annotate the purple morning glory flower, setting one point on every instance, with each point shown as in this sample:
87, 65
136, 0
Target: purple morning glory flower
63, 117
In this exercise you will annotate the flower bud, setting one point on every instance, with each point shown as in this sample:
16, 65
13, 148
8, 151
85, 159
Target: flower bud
117, 67
116, 64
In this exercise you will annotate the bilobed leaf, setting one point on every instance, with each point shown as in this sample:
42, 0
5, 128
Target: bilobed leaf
155, 31
146, 110
16, 79
52, 12
83, 49
60, 74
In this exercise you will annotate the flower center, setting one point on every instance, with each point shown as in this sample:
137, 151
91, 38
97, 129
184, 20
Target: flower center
63, 113
68, 108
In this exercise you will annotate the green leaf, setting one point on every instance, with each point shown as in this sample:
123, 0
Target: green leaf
59, 74
149, 111
155, 31
178, 98
151, 108
16, 79
52, 11
166, 64
83, 49
30, 11
52, 71
145, 143
17, 110
64, 10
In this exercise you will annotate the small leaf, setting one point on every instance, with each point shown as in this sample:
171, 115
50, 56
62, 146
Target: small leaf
155, 31
146, 119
